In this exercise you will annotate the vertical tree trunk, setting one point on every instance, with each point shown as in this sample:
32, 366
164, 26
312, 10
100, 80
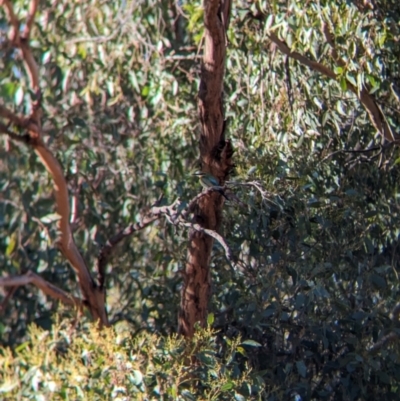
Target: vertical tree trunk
215, 153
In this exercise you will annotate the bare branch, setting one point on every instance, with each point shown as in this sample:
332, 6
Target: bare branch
94, 297
284, 48
9, 295
383, 341
174, 216
97, 39
216, 236
30, 19
108, 247
22, 41
46, 287
395, 312
30, 66
176, 57
105, 252
15, 137
375, 113
391, 336
13, 118
14, 33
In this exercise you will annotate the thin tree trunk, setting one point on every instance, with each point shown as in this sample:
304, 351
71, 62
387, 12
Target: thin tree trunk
215, 153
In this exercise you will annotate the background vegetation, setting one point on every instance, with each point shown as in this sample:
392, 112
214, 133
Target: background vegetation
311, 310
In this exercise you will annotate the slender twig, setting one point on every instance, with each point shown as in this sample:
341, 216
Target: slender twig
178, 57
96, 39
266, 195
351, 151
9, 295
391, 336
383, 341
108, 247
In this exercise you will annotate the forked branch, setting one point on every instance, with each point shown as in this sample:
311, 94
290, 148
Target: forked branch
173, 215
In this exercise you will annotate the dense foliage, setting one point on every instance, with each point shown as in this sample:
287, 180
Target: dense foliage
315, 232
95, 366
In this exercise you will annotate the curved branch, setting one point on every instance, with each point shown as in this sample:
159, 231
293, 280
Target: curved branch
108, 247
216, 236
375, 113
285, 49
48, 288
93, 294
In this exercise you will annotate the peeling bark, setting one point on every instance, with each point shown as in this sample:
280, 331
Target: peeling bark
215, 154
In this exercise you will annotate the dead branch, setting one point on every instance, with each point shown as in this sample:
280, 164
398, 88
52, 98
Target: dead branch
285, 49
174, 215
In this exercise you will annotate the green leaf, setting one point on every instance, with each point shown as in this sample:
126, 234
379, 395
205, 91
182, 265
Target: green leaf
227, 386
351, 79
19, 96
343, 84
145, 91
136, 377
378, 280
12, 244
50, 218
8, 386
251, 343
301, 368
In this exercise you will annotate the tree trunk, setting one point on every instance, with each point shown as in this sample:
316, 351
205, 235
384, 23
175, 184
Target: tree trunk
215, 153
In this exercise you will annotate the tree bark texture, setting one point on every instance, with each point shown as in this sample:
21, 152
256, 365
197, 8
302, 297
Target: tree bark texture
215, 154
